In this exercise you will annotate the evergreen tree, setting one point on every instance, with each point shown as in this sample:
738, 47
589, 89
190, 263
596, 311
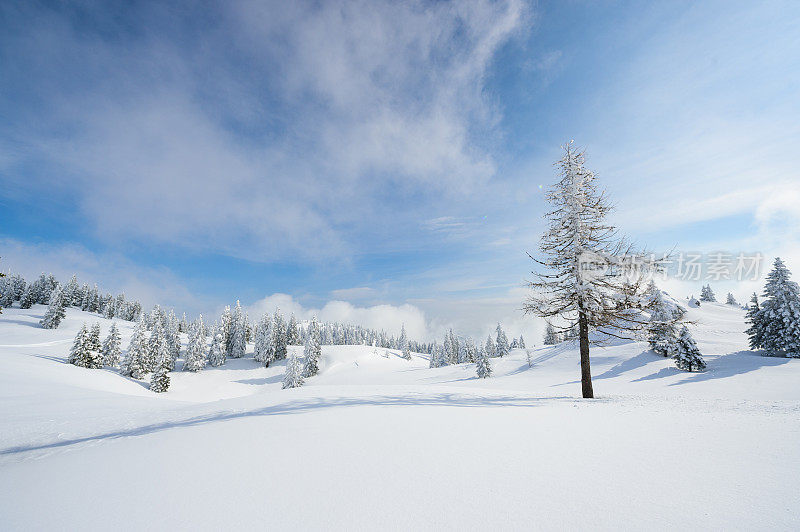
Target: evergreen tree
94, 339
662, 333
521, 342
71, 292
109, 310
28, 297
112, 353
437, 358
158, 352
502, 342
173, 337
447, 349
491, 349
779, 315
484, 367
463, 352
731, 300
46, 285
216, 352
550, 335
753, 317
292, 336
592, 278
6, 292
687, 356
80, 355
133, 365
260, 345
238, 333
155, 345
293, 378
403, 344
226, 329
159, 381
706, 294
55, 311
196, 354
313, 350
279, 335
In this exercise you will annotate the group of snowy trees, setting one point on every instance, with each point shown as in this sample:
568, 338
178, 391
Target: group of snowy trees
775, 319
460, 350
706, 294
664, 336
46, 290
157, 353
88, 352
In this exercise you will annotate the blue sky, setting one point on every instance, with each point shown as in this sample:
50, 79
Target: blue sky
389, 155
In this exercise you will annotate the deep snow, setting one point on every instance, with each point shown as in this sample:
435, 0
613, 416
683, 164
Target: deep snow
376, 441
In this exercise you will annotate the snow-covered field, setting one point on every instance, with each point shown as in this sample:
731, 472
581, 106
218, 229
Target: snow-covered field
378, 442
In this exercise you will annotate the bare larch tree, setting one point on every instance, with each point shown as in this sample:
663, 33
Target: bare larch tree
588, 275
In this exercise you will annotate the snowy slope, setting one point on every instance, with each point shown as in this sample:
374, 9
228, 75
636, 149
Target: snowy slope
376, 441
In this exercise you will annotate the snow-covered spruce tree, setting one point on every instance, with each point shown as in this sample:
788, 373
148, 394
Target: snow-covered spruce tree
226, 329
196, 353
502, 342
55, 311
71, 292
730, 300
462, 357
112, 353
491, 349
260, 344
447, 348
94, 339
238, 344
687, 356
484, 366
437, 358
155, 344
159, 381
79, 355
521, 342
28, 297
292, 336
312, 350
550, 335
133, 363
109, 310
662, 331
173, 337
279, 335
216, 351
779, 315
6, 295
293, 378
591, 278
753, 317
403, 343
706, 294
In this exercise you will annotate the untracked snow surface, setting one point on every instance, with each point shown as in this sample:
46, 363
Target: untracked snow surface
378, 442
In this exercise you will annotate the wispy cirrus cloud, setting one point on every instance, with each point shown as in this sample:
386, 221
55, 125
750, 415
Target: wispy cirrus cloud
273, 132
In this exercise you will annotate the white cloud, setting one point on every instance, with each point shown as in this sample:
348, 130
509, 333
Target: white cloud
381, 317
286, 154
359, 292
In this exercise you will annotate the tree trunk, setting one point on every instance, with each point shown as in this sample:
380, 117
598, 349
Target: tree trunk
586, 373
